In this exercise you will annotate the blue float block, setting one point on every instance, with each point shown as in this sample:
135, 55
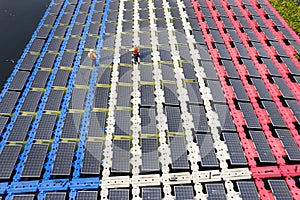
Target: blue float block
85, 183
3, 188
23, 187
54, 185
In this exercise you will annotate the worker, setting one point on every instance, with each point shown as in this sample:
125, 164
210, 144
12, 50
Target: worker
136, 54
92, 56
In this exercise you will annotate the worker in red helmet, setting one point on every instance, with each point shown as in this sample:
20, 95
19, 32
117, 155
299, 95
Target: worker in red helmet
136, 54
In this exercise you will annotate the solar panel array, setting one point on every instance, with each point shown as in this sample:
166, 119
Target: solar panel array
211, 110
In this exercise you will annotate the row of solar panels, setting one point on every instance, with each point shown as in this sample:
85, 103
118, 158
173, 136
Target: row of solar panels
246, 189
276, 119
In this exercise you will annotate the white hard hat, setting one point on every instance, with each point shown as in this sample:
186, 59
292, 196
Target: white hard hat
91, 50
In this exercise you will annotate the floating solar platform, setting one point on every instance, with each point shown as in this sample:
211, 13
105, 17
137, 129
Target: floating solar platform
210, 111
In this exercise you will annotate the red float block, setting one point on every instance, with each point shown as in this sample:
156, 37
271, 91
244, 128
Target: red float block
265, 172
295, 191
290, 170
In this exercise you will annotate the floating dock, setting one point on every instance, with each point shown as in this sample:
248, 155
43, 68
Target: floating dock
211, 111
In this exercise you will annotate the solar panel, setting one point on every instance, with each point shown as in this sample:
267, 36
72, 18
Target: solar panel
36, 45
162, 36
110, 27
295, 107
125, 57
99, 6
121, 156
103, 75
216, 91
248, 190
270, 65
194, 92
8, 158
178, 152
239, 90
241, 50
67, 59
83, 77
216, 36
28, 62
170, 94
3, 121
289, 144
230, 69
20, 128
126, 39
291, 66
77, 28
125, 74
60, 31
173, 119
72, 43
146, 73
85, 7
274, 114
184, 192
117, 194
106, 56
199, 118
94, 28
149, 154
63, 160
215, 191
144, 26
143, 14
55, 196
262, 147
124, 96
97, 124
54, 99
222, 51
55, 43
48, 60
8, 102
188, 71
147, 95
198, 36
31, 101
61, 78
283, 87
23, 197
65, 19
40, 79
45, 127
145, 39
168, 72
122, 124
165, 54
159, 13
145, 55
35, 160
148, 120
207, 151
177, 24
18, 81
83, 195
261, 89
249, 115
127, 26
280, 190
77, 98
71, 126
225, 117
100, 97
209, 70
235, 149
49, 20
151, 193
92, 157
43, 32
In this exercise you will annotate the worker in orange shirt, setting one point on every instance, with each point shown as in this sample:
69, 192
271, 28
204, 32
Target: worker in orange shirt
92, 56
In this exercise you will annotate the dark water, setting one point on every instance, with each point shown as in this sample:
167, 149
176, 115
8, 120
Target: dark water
18, 21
